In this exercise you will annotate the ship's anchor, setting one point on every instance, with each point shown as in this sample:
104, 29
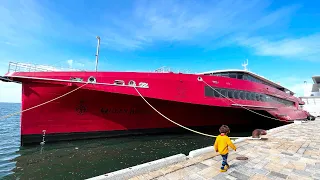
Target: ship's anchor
43, 136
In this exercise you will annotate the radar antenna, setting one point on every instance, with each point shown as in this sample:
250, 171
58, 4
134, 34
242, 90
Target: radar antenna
245, 65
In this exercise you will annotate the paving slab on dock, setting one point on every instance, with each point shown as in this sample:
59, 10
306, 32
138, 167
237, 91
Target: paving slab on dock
288, 152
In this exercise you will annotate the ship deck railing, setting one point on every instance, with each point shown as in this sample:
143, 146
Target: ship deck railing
28, 67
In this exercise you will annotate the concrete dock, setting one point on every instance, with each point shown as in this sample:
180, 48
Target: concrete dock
287, 152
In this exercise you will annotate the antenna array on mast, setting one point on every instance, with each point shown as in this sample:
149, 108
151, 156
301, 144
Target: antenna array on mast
245, 65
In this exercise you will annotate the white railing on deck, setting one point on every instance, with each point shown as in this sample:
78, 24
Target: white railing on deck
163, 69
27, 67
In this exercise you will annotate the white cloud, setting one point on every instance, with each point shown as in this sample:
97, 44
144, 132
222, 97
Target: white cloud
304, 48
10, 92
70, 61
301, 89
296, 84
191, 22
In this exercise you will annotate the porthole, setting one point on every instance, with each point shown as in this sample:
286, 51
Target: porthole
91, 79
132, 83
119, 82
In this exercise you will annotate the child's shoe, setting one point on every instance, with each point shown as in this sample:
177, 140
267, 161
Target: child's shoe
223, 170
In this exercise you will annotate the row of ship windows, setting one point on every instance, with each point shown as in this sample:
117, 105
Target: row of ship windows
245, 95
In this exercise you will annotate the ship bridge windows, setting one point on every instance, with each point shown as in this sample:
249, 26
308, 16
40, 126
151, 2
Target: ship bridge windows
244, 95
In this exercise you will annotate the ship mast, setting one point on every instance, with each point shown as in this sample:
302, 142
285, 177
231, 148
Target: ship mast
97, 54
245, 65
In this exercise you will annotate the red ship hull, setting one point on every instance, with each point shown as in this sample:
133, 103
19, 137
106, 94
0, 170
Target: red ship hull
99, 110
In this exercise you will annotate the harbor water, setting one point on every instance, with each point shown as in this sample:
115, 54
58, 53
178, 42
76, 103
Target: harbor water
86, 158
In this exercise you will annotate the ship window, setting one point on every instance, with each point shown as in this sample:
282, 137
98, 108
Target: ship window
240, 76
236, 94
208, 91
230, 93
257, 97
268, 98
248, 95
216, 94
232, 75
253, 97
223, 92
242, 95
263, 98
248, 77
254, 79
225, 74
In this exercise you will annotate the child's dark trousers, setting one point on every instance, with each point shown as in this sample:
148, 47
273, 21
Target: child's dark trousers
224, 160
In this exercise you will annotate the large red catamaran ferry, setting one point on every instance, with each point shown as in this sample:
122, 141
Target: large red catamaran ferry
108, 105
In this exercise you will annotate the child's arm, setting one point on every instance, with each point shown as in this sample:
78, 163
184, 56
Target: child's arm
231, 144
216, 145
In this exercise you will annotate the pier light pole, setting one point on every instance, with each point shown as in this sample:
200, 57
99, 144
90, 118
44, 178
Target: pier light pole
97, 55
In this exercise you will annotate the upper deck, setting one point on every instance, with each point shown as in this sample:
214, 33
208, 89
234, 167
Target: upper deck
247, 75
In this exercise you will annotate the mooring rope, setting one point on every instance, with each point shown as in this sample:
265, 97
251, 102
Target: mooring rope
18, 112
204, 134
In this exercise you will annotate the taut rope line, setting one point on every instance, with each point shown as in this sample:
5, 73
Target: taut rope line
9, 115
204, 134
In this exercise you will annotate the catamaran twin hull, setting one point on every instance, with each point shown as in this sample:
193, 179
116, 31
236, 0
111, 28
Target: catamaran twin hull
109, 105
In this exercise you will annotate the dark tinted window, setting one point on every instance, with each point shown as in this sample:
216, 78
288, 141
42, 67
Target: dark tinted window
245, 77
216, 94
208, 91
248, 96
236, 94
242, 95
223, 92
225, 74
239, 75
230, 93
257, 97
253, 96
233, 75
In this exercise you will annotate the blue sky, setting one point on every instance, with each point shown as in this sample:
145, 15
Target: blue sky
280, 39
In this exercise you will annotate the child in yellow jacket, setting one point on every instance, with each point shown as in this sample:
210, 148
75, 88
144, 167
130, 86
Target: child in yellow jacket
221, 145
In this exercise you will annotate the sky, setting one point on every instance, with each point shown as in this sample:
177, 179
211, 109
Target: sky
280, 39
